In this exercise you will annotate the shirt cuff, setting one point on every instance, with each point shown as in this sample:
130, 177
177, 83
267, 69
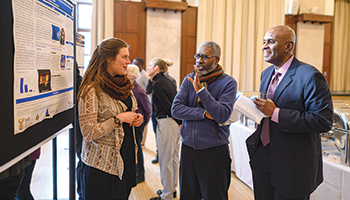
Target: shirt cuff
200, 90
204, 114
275, 115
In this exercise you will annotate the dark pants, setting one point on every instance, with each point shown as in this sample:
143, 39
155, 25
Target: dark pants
101, 185
80, 179
261, 168
154, 123
79, 169
23, 192
9, 186
205, 174
140, 169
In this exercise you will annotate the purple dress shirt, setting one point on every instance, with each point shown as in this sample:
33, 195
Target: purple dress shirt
283, 70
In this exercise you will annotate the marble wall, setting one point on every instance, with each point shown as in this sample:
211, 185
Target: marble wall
310, 36
309, 44
163, 39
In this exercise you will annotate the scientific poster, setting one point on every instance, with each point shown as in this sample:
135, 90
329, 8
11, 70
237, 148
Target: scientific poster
43, 60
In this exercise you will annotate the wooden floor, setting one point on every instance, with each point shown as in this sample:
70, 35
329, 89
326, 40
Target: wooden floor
42, 176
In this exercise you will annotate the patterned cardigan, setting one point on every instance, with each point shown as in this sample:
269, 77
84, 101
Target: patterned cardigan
102, 138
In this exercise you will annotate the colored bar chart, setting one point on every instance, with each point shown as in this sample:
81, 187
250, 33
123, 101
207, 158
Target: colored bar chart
23, 88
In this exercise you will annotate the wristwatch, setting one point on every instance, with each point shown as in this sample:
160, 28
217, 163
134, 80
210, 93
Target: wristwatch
116, 120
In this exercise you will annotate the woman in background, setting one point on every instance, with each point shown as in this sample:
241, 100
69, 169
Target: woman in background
145, 109
168, 129
107, 118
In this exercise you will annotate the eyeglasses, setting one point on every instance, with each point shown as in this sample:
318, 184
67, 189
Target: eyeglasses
203, 56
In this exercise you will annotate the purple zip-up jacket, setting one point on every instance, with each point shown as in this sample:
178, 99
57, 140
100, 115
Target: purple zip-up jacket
198, 132
143, 104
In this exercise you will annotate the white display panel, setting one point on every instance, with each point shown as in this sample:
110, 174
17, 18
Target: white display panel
43, 33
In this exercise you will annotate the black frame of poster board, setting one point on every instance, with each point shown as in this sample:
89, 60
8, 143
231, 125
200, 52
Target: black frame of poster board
14, 147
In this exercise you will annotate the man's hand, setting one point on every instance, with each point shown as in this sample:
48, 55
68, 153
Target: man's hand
266, 106
207, 115
196, 84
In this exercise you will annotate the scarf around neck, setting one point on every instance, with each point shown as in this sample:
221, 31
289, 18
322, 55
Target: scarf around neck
206, 79
117, 87
212, 76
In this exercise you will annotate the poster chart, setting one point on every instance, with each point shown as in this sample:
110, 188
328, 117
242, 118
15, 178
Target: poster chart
43, 33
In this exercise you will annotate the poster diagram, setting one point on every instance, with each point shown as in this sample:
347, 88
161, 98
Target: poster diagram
43, 34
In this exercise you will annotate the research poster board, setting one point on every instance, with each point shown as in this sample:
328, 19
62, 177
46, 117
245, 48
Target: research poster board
14, 147
43, 34
79, 46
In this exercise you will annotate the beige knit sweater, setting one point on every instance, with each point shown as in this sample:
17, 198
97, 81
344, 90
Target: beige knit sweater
102, 138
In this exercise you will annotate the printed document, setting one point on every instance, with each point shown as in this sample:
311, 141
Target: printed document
246, 107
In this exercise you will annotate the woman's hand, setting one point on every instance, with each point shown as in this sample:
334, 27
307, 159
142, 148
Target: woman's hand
127, 117
138, 120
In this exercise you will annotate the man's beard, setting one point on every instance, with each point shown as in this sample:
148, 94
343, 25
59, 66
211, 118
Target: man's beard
207, 71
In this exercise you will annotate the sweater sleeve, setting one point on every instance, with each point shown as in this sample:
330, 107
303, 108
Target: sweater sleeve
146, 106
181, 108
220, 108
91, 128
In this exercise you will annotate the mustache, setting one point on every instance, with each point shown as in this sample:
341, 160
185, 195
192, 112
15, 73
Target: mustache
198, 65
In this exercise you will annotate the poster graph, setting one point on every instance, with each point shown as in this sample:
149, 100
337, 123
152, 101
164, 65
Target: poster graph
24, 87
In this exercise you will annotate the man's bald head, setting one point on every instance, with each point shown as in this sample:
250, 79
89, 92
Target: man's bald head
279, 44
284, 33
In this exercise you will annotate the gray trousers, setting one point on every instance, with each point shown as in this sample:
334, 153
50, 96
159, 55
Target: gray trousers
168, 141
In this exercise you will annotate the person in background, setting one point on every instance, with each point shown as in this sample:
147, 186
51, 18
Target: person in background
145, 109
205, 100
142, 80
168, 135
285, 150
11, 178
78, 139
107, 118
149, 89
24, 192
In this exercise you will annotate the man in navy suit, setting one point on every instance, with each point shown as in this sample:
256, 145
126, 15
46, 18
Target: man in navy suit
289, 165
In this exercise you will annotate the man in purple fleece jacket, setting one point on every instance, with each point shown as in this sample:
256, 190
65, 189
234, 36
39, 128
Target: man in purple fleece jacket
204, 101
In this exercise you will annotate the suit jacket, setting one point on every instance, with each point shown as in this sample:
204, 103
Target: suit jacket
306, 110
